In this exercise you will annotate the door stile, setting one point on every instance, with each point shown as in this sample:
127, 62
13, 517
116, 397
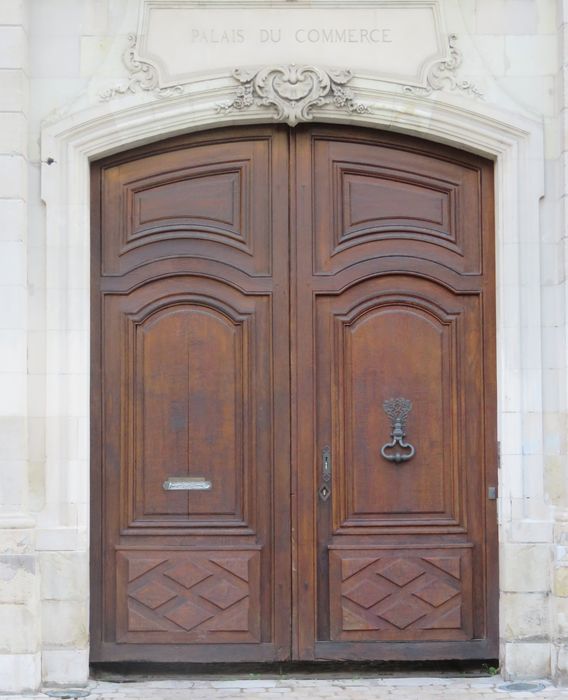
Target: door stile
96, 436
295, 620
303, 420
281, 512
491, 474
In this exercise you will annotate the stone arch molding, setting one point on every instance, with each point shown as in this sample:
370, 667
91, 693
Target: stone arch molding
513, 141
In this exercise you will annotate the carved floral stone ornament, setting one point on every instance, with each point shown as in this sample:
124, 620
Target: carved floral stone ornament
143, 75
441, 74
293, 91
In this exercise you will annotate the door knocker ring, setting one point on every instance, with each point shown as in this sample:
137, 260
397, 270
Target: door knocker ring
397, 410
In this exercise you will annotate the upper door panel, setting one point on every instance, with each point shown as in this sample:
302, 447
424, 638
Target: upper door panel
198, 202
374, 200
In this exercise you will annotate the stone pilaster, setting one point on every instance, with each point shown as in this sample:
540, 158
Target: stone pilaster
558, 471
20, 666
560, 600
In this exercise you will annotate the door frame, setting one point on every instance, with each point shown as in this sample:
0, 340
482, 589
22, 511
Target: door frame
514, 142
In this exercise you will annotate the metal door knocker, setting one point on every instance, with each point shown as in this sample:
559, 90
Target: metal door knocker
397, 410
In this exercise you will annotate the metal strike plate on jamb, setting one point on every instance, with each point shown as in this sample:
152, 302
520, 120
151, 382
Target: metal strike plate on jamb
187, 483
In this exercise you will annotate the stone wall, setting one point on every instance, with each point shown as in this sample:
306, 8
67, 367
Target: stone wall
56, 57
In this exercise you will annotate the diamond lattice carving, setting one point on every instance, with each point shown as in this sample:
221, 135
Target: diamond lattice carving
396, 595
193, 594
137, 567
238, 567
436, 592
401, 571
403, 614
188, 574
367, 593
153, 594
223, 594
188, 616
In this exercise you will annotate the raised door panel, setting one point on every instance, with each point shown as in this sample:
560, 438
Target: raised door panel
372, 200
401, 593
213, 198
182, 597
187, 363
200, 201
188, 409
399, 338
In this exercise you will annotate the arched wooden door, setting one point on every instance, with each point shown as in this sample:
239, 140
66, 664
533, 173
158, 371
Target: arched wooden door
271, 309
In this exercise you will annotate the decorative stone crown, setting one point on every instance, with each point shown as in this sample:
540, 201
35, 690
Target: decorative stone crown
293, 91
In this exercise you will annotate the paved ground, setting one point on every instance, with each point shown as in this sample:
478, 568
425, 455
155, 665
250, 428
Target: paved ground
289, 688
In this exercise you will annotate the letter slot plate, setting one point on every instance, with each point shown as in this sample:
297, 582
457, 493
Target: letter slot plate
187, 483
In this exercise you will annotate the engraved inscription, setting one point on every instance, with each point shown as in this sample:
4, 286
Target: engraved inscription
184, 38
274, 35
176, 41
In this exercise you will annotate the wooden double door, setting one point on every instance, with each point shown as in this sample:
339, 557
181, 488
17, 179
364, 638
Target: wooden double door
293, 399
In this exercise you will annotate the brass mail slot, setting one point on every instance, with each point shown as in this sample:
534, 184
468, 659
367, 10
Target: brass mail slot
186, 483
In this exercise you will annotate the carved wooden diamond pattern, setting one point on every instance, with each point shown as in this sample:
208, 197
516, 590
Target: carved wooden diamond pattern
190, 593
223, 594
435, 592
188, 615
400, 593
401, 571
153, 594
367, 593
188, 574
401, 616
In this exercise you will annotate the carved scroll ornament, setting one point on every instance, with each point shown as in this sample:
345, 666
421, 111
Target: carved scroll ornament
293, 91
442, 74
143, 75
